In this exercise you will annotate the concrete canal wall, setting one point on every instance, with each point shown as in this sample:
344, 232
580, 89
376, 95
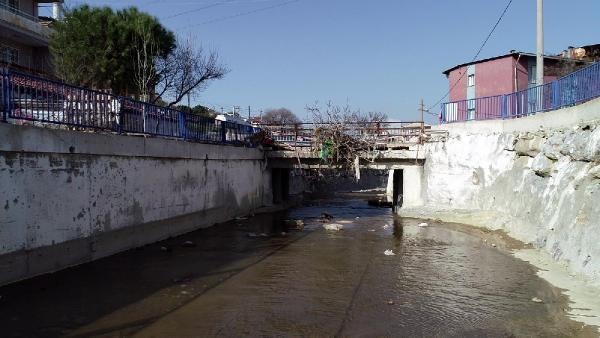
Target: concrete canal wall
538, 178
71, 197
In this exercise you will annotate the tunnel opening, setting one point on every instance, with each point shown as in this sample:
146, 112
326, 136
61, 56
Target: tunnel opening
398, 190
280, 182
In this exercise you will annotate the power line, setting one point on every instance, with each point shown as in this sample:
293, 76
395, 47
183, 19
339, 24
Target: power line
196, 9
242, 14
476, 55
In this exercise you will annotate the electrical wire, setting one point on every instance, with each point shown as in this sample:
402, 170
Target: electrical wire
196, 9
229, 17
476, 54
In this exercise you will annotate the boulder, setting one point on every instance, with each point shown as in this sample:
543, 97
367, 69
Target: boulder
542, 165
553, 145
529, 145
576, 145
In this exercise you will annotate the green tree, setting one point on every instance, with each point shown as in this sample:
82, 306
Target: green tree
100, 48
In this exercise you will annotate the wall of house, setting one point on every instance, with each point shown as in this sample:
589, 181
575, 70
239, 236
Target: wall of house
458, 92
70, 197
494, 77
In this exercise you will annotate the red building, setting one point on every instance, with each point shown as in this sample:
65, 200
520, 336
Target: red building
505, 74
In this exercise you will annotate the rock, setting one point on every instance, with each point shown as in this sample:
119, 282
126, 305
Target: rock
333, 227
422, 225
326, 217
509, 141
371, 230
542, 165
529, 145
386, 226
389, 253
494, 245
296, 224
241, 218
188, 244
165, 249
252, 235
475, 178
553, 145
582, 145
390, 302
595, 172
536, 300
263, 234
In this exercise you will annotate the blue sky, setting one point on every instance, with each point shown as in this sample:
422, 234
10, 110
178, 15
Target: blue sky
378, 55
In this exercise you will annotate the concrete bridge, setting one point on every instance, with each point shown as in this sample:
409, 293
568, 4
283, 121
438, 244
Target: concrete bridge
404, 167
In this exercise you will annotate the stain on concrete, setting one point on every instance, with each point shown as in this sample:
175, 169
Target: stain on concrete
55, 161
10, 158
6, 206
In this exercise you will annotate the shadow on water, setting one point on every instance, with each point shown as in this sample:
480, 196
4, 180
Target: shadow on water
58, 303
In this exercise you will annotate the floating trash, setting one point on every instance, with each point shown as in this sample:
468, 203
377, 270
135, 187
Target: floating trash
422, 225
389, 253
333, 226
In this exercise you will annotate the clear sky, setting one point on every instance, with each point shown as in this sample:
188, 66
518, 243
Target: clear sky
378, 55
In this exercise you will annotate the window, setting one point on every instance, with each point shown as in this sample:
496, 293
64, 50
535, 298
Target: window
471, 80
471, 111
9, 54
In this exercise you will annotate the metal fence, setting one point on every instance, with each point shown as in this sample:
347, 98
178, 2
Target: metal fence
25, 97
376, 133
575, 88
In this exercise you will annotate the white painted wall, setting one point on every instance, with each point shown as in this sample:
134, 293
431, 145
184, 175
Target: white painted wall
537, 178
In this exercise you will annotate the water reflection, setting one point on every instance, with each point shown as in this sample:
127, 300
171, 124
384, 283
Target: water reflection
440, 282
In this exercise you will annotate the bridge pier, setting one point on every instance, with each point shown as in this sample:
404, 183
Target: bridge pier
405, 184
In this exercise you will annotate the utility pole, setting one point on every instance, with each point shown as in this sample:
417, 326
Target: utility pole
423, 111
248, 113
539, 79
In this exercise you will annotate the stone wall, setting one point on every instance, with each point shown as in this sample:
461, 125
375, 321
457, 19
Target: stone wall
541, 185
71, 197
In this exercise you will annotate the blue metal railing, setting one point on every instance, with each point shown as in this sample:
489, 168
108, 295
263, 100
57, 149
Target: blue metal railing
577, 87
25, 97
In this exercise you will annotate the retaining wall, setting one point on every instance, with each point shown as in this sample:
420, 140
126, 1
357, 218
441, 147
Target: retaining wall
538, 178
70, 197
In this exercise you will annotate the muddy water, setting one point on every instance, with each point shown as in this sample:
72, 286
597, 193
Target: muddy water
256, 277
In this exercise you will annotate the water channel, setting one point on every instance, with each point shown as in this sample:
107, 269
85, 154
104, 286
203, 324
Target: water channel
259, 277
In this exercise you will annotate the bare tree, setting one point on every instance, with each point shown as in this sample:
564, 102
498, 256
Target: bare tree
186, 71
343, 134
280, 116
145, 62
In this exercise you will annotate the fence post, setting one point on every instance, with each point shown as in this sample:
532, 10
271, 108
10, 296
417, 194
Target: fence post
223, 131
183, 125
5, 94
556, 94
503, 107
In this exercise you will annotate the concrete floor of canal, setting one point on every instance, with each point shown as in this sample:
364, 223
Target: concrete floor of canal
442, 281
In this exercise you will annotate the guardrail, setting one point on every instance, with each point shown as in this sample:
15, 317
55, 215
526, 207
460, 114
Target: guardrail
25, 97
17, 11
577, 87
377, 133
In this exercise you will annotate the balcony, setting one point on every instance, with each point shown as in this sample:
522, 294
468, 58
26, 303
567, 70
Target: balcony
22, 26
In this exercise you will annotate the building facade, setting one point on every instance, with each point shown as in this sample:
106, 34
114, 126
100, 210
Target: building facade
505, 74
24, 34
